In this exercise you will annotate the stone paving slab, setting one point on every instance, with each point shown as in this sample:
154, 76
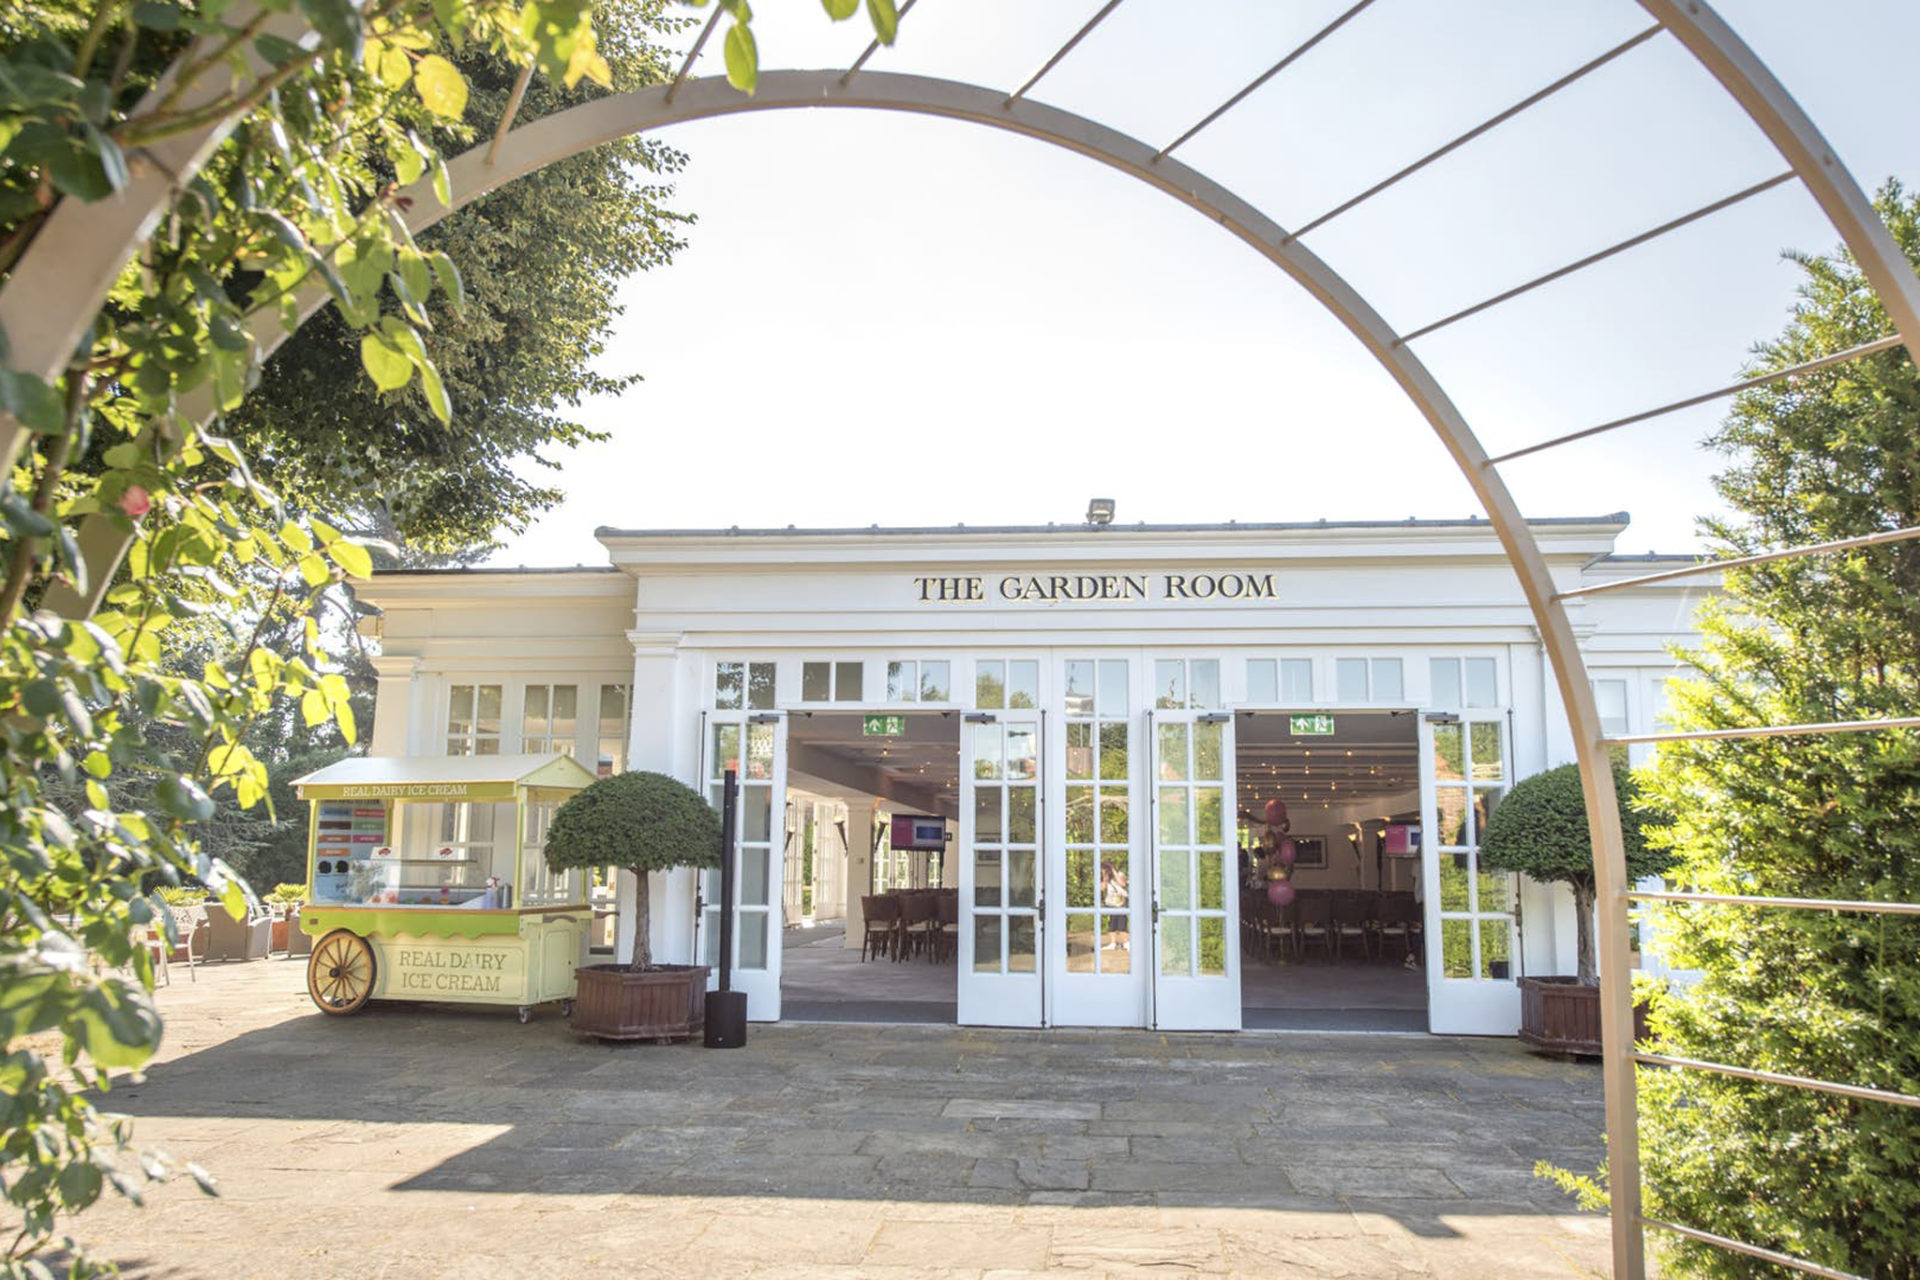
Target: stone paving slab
425, 1141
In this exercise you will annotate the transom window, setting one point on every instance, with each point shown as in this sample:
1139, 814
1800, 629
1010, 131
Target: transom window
1464, 682
550, 720
1369, 680
1006, 686
832, 681
473, 720
1287, 680
738, 685
1180, 683
919, 681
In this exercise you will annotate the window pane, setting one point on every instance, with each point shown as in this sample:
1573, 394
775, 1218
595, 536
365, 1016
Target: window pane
986, 815
1205, 676
1113, 819
1113, 751
1263, 680
1020, 948
1453, 882
1482, 686
816, 681
1173, 816
1113, 688
1485, 801
1350, 679
1176, 946
1080, 815
1020, 815
934, 685
1449, 752
1496, 938
1023, 684
1213, 947
1077, 677
726, 749
487, 709
1495, 891
1451, 803
986, 878
729, 685
901, 683
1456, 948
1207, 810
759, 751
987, 746
533, 718
990, 685
1443, 674
753, 876
1022, 752
1387, 681
757, 822
986, 944
1021, 885
753, 939
1611, 695
1489, 759
849, 679
1209, 750
1212, 881
1176, 883
1173, 752
460, 709
1080, 750
566, 713
1169, 684
760, 686
1296, 679
1079, 878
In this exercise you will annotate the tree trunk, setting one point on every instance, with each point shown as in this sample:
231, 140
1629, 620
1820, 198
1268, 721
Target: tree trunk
642, 926
1583, 896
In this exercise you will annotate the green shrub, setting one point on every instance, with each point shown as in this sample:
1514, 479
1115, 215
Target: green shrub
183, 896
1540, 830
640, 822
287, 893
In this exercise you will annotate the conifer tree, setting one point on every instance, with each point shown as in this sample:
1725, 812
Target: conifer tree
1835, 996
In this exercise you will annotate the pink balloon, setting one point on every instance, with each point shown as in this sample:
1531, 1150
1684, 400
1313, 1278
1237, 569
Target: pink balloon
1286, 853
1280, 893
1276, 811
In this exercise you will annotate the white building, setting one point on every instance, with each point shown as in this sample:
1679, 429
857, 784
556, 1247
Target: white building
1073, 703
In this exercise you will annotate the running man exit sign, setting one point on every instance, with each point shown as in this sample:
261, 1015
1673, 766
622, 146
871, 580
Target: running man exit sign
1310, 726
883, 726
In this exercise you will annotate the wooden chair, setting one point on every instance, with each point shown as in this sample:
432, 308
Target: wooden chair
1399, 917
1313, 922
946, 934
917, 919
1352, 915
881, 931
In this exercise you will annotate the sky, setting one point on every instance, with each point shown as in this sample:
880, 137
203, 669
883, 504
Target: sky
896, 320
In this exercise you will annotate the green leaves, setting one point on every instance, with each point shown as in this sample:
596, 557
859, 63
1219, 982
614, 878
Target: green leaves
743, 58
441, 87
184, 799
840, 10
385, 363
886, 20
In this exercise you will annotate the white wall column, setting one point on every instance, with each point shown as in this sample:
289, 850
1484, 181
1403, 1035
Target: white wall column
396, 679
652, 746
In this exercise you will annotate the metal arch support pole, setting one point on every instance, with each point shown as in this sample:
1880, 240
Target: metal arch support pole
566, 133
1718, 48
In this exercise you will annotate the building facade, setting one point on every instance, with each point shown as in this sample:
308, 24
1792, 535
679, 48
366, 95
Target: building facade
1098, 715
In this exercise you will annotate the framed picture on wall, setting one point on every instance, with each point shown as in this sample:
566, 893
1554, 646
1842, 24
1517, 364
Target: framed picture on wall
1310, 853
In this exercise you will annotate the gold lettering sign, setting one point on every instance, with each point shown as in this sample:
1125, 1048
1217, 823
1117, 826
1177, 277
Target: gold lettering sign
452, 971
1208, 586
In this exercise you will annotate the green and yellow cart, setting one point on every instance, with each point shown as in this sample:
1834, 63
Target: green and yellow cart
429, 883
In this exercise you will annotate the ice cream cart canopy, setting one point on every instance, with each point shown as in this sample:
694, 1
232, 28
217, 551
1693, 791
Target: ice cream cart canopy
432, 778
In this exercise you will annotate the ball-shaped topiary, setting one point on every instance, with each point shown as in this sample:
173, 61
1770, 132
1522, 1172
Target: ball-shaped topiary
640, 822
1541, 830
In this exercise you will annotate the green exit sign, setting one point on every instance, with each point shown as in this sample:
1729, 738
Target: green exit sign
883, 726
1310, 726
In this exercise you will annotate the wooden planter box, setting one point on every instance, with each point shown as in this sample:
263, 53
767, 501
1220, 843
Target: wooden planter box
278, 940
665, 1002
1559, 1015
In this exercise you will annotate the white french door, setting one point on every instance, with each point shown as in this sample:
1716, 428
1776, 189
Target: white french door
1002, 982
754, 745
1469, 924
1196, 900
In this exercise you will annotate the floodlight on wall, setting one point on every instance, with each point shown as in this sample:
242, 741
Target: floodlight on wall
1100, 511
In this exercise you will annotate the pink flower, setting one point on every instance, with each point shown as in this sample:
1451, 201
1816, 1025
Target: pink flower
136, 501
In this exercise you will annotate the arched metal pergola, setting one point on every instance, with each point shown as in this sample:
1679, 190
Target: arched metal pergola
61, 282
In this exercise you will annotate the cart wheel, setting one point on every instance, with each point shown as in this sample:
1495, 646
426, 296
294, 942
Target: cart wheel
340, 973
526, 1013
566, 1008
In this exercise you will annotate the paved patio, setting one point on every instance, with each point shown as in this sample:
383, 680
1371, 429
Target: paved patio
431, 1140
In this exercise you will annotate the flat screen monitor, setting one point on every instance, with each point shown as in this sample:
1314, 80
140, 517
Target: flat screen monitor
914, 831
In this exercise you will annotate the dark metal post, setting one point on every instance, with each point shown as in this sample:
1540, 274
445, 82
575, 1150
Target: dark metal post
726, 1015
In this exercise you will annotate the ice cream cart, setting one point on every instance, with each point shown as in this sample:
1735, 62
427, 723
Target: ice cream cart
429, 883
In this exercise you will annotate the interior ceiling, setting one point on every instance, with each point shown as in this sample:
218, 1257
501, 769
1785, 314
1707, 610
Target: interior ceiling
926, 756
1370, 756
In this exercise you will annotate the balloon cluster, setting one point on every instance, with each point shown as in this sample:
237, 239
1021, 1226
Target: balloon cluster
1281, 854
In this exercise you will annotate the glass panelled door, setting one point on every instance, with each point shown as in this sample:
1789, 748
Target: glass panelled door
1097, 974
1471, 946
1196, 984
1001, 980
754, 746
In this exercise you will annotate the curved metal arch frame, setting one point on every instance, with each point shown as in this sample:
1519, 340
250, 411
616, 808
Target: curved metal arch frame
64, 277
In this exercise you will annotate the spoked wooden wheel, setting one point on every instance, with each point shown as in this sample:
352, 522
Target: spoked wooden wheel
340, 973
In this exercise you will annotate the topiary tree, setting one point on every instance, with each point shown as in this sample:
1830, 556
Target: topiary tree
1540, 830
640, 822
